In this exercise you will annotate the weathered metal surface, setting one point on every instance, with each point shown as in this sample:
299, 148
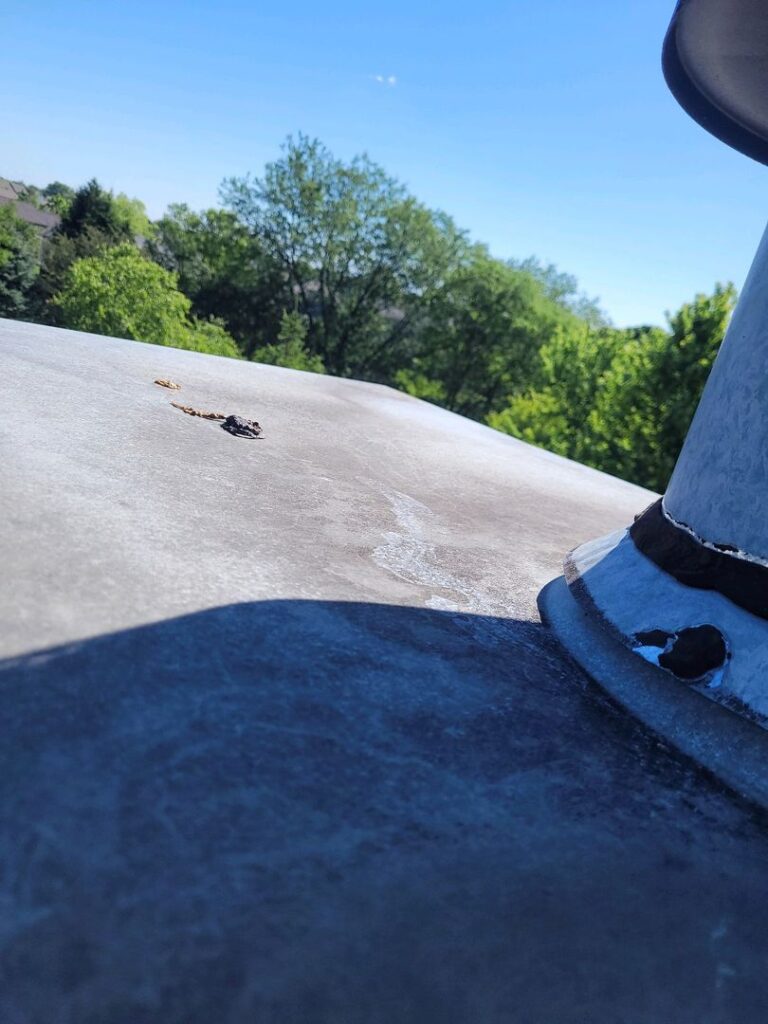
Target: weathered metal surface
283, 739
720, 482
699, 557
732, 746
633, 596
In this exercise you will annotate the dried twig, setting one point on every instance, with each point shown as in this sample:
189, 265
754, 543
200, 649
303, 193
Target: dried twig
199, 412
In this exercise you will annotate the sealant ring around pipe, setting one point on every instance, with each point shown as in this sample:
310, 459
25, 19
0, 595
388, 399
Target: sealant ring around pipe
674, 549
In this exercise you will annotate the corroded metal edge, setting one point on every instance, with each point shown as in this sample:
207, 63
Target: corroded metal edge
732, 748
695, 562
574, 577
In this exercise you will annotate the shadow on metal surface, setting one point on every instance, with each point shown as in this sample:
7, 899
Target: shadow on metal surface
315, 811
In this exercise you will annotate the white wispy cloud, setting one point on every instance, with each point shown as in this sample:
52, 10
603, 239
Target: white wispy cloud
388, 80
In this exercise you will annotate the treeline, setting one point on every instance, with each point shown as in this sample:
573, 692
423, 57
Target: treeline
334, 267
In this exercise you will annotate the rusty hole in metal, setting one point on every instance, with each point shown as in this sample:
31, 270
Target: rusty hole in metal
695, 653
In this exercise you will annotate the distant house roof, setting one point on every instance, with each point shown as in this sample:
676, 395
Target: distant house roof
44, 220
11, 190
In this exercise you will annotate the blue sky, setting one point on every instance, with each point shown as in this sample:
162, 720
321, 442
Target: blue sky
543, 126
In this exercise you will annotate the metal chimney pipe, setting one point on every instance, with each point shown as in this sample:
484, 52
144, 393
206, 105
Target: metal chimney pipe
675, 607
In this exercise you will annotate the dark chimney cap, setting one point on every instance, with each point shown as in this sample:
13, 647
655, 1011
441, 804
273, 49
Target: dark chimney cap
715, 61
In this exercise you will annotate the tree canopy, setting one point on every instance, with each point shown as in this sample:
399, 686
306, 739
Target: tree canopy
649, 393
123, 294
92, 220
330, 265
19, 262
94, 209
622, 401
290, 349
481, 333
354, 250
223, 269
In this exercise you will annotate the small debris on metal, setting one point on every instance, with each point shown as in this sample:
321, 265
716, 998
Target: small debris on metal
239, 426
165, 383
188, 409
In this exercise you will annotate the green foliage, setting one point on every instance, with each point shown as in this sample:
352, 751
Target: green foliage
58, 254
650, 392
31, 194
355, 251
417, 384
92, 221
58, 204
58, 197
132, 214
554, 413
223, 270
123, 294
120, 293
58, 188
482, 332
209, 336
94, 209
622, 401
19, 262
563, 289
322, 264
290, 350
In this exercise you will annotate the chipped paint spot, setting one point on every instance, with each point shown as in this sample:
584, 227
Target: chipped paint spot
695, 654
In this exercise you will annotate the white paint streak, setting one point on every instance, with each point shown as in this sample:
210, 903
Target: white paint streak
407, 554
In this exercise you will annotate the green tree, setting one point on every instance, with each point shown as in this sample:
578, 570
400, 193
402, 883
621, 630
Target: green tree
290, 350
58, 197
58, 188
554, 414
209, 336
58, 254
649, 394
415, 382
29, 194
480, 336
93, 209
221, 266
133, 215
622, 401
91, 223
564, 289
123, 294
19, 262
356, 252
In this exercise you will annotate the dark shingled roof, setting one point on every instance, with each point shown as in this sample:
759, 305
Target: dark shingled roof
10, 189
45, 220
